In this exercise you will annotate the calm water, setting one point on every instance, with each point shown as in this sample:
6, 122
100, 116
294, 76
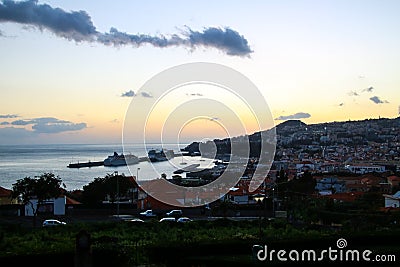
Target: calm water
19, 161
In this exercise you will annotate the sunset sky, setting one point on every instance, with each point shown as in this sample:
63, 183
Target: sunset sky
70, 69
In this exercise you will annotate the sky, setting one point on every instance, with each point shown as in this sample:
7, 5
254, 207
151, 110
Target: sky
70, 70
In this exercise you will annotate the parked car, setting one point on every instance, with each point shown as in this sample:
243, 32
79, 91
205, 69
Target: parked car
148, 213
168, 219
52, 222
184, 219
135, 220
174, 213
122, 217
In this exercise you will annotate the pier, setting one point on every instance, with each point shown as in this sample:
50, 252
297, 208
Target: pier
189, 168
89, 163
86, 164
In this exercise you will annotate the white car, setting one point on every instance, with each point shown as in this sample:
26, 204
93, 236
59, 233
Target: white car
148, 213
174, 213
184, 220
53, 222
168, 219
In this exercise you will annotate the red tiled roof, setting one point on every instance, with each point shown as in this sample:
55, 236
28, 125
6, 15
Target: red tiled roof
4, 192
349, 196
70, 201
393, 178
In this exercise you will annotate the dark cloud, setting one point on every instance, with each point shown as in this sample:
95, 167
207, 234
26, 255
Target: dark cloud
129, 93
75, 25
50, 125
78, 26
226, 40
145, 94
22, 122
58, 127
377, 100
8, 116
297, 116
4, 123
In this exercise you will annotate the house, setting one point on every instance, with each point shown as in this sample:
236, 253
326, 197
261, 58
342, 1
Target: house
392, 201
240, 193
305, 165
53, 206
8, 205
393, 180
5, 197
365, 168
330, 184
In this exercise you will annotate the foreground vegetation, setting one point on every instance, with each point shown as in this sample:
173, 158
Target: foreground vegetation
152, 242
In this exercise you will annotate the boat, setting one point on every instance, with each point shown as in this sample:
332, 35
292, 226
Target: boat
156, 155
120, 160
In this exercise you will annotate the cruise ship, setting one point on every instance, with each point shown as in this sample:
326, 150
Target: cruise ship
156, 155
121, 160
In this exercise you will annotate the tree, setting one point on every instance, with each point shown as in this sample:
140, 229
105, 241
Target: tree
111, 186
41, 188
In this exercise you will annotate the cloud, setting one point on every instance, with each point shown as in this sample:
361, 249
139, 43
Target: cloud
353, 93
8, 116
299, 115
226, 40
129, 93
369, 89
4, 123
78, 26
377, 100
145, 94
50, 125
22, 122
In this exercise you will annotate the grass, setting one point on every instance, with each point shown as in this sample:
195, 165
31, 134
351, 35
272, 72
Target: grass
131, 244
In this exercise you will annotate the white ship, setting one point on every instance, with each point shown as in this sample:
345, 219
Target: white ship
156, 155
120, 160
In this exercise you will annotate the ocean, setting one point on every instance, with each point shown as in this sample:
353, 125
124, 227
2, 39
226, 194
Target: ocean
20, 161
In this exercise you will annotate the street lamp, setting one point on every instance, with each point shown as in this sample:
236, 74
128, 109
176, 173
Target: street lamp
137, 175
273, 202
259, 198
116, 174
